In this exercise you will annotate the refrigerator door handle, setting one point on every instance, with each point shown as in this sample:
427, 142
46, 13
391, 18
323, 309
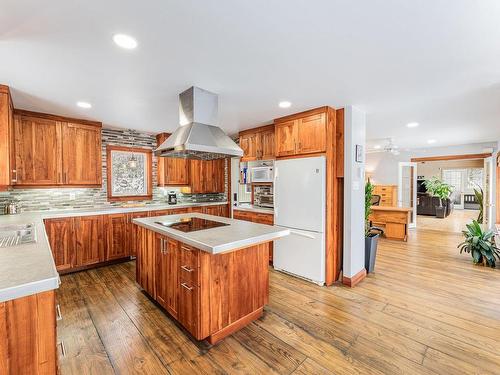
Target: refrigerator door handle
302, 234
275, 178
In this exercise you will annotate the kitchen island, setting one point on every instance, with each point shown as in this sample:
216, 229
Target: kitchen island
210, 273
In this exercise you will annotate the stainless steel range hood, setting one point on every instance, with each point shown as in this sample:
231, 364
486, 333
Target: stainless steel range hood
198, 137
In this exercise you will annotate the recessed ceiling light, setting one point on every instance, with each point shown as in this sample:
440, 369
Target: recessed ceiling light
412, 124
125, 41
431, 141
84, 105
377, 147
285, 104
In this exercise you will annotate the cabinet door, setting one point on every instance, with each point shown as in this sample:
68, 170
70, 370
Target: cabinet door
132, 231
161, 269
248, 144
267, 144
176, 171
218, 176
38, 151
5, 139
81, 154
89, 234
312, 134
197, 178
188, 306
286, 138
146, 260
61, 239
118, 246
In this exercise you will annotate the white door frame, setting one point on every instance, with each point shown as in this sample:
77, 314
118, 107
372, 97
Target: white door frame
488, 210
400, 190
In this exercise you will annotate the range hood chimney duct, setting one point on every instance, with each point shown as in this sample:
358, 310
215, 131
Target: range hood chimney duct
198, 136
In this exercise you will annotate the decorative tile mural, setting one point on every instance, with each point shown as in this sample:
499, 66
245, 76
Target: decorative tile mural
72, 198
129, 173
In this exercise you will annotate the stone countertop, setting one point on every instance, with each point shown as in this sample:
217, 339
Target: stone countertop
253, 208
29, 268
216, 240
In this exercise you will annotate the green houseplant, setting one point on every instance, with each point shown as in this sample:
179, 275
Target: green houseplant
480, 244
438, 188
371, 233
479, 197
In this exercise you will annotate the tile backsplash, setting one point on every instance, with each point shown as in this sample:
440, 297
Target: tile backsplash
70, 198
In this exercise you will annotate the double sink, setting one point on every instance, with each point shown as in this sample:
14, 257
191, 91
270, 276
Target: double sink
20, 234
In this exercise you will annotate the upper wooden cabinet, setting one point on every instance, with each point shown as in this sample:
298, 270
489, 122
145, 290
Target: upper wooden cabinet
55, 151
172, 171
6, 138
304, 133
37, 143
81, 154
258, 143
207, 176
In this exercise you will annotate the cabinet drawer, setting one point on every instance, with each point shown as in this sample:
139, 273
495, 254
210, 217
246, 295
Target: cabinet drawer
188, 273
264, 219
189, 257
189, 307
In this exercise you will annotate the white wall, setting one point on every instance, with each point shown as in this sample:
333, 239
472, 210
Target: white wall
382, 167
354, 193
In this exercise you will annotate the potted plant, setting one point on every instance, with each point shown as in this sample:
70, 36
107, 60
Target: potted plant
480, 244
371, 233
441, 190
479, 198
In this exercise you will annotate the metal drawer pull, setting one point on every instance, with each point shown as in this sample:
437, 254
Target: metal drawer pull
58, 312
185, 268
186, 286
185, 248
63, 348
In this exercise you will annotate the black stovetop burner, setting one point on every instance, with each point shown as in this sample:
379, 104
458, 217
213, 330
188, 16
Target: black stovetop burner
191, 224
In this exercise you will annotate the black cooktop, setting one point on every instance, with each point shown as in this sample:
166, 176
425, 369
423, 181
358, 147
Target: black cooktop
191, 224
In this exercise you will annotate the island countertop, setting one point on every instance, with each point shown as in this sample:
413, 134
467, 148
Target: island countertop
238, 234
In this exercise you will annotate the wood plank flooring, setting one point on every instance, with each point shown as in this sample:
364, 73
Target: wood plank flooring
455, 222
426, 310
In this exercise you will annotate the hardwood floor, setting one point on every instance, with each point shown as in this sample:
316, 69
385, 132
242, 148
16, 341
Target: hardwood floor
426, 310
455, 222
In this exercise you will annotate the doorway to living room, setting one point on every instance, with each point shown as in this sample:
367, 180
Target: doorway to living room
468, 180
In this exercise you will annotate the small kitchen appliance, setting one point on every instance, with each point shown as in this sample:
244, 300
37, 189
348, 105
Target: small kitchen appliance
262, 174
172, 197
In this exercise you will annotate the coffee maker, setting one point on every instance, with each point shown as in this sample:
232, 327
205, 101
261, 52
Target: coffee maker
172, 197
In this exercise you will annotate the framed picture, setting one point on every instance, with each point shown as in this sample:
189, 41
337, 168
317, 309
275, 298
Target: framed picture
129, 172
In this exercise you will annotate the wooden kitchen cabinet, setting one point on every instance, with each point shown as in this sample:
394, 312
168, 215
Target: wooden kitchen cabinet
89, 240
37, 143
207, 176
81, 154
167, 272
51, 150
172, 171
132, 231
148, 245
304, 133
257, 217
117, 233
60, 233
218, 210
28, 335
258, 143
7, 175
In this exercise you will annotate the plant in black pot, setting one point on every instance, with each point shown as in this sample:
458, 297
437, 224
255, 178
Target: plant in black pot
441, 190
480, 244
371, 233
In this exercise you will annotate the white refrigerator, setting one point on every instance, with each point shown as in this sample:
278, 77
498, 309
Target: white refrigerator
300, 205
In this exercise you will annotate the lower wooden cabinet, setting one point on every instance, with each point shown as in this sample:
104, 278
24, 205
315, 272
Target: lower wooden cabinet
86, 241
257, 217
211, 296
28, 335
89, 240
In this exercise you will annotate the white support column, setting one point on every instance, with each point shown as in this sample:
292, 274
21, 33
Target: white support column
354, 196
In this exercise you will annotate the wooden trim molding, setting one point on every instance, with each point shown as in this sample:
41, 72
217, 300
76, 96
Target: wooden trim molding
351, 282
149, 161
256, 130
296, 116
48, 116
452, 157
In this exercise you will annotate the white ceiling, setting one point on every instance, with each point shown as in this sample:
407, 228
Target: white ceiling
431, 61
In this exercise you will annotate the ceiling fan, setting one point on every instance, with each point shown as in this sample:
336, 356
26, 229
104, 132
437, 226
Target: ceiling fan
389, 146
